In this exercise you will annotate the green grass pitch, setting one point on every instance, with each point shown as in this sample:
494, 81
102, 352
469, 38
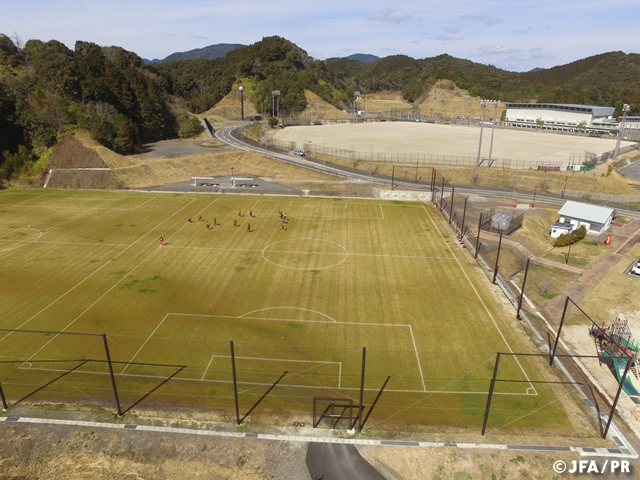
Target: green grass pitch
342, 275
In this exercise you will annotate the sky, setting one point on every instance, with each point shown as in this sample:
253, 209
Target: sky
512, 35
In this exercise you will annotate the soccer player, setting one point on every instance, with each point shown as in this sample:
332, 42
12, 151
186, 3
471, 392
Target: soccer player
250, 213
208, 225
239, 213
199, 218
283, 226
189, 219
215, 221
248, 227
235, 223
161, 241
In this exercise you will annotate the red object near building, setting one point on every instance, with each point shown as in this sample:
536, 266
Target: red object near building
607, 240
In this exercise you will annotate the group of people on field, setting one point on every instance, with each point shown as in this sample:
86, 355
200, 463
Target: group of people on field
209, 225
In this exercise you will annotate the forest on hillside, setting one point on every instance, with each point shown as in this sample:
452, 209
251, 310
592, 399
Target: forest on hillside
48, 91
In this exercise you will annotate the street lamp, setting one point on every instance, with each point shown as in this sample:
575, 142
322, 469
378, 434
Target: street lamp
534, 197
625, 110
464, 111
484, 104
274, 94
241, 88
356, 94
496, 104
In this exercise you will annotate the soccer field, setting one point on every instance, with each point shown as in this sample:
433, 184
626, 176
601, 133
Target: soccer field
305, 300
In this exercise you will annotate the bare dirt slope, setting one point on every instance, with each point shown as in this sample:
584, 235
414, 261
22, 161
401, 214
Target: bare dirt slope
318, 108
229, 108
445, 99
75, 163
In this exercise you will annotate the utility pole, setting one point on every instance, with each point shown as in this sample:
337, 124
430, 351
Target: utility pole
496, 104
625, 110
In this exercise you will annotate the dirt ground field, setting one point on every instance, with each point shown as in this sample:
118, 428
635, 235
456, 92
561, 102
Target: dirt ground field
460, 140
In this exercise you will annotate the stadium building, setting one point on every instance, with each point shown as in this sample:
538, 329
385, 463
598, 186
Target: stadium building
561, 117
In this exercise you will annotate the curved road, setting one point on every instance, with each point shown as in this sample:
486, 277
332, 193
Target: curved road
229, 136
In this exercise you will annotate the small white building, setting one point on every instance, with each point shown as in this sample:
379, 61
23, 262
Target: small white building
596, 219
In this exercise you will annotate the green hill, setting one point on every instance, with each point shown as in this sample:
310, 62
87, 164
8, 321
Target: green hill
48, 90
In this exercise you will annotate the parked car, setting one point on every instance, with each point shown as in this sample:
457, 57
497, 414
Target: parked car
298, 152
635, 270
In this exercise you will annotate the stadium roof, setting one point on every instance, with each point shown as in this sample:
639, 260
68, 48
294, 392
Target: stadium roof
597, 111
584, 211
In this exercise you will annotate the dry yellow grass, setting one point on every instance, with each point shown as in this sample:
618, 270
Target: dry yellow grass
512, 179
180, 169
112, 159
383, 102
447, 100
318, 108
229, 109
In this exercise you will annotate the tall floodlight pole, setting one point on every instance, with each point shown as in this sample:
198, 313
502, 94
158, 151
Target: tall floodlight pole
274, 94
241, 88
466, 107
484, 104
496, 104
356, 94
625, 110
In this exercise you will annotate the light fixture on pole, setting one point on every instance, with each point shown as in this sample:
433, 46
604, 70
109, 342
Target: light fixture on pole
241, 88
464, 113
274, 94
356, 94
625, 110
484, 104
496, 104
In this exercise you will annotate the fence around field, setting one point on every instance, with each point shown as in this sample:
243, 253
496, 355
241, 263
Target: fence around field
402, 386
587, 161
540, 331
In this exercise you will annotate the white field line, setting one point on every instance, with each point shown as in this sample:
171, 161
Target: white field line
29, 200
245, 315
68, 243
415, 349
208, 315
144, 343
79, 208
144, 203
381, 255
94, 272
186, 379
381, 212
332, 322
93, 304
481, 301
261, 359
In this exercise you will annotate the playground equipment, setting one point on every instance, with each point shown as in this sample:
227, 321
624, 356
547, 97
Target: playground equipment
616, 347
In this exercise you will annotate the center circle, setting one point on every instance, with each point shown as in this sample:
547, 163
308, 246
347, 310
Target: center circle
305, 253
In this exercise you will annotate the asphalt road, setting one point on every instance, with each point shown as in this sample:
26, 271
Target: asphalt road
631, 171
230, 136
337, 461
